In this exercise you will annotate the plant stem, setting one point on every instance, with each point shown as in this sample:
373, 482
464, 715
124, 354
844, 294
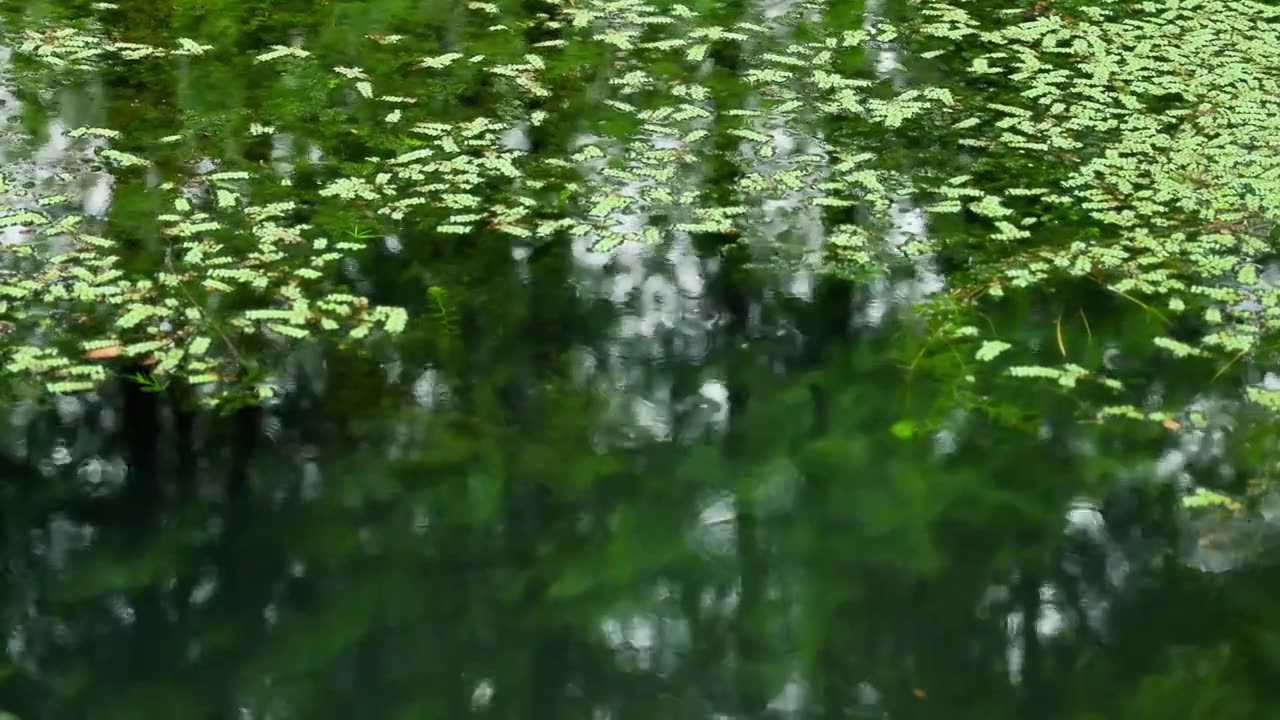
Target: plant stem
182, 287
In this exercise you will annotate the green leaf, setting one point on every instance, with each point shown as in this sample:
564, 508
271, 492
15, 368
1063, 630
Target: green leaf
903, 429
991, 349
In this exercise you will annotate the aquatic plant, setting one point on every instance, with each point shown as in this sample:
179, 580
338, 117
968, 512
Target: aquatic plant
1149, 132
1132, 145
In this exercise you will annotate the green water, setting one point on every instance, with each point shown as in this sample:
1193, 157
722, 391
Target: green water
721, 471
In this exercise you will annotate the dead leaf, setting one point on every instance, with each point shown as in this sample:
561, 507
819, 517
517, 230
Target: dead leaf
103, 353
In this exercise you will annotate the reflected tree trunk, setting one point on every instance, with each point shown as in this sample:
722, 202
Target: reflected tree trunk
1032, 675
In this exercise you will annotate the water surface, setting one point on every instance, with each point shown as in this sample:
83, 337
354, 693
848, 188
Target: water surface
719, 453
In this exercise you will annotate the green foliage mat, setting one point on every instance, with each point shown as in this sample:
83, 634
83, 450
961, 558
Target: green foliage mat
1130, 145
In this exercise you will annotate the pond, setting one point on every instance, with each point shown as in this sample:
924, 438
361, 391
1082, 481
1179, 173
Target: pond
420, 359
